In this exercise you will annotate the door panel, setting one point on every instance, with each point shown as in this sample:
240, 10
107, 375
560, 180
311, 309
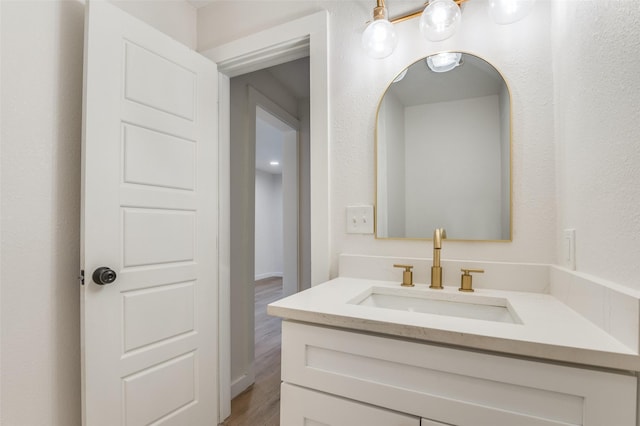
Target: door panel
151, 89
157, 314
150, 214
144, 404
172, 165
154, 236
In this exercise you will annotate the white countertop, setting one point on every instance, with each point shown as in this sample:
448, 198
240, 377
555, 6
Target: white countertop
549, 330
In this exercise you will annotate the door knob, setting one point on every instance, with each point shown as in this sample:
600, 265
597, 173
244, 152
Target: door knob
104, 275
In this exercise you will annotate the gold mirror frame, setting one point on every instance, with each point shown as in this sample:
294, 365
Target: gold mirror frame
510, 171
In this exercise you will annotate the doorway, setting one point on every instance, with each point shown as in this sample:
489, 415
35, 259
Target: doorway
306, 36
277, 244
266, 100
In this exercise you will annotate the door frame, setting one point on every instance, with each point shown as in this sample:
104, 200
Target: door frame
307, 36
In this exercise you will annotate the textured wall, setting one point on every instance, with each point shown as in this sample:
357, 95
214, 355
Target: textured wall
596, 66
41, 122
519, 51
176, 18
42, 55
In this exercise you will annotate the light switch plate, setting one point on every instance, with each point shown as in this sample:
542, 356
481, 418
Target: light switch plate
359, 219
569, 249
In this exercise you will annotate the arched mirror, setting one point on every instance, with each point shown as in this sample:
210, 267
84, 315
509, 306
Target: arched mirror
443, 151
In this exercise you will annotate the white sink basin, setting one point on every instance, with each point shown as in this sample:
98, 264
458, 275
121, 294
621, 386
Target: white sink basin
439, 303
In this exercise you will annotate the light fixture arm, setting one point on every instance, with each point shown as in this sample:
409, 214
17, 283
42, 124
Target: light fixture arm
380, 11
415, 14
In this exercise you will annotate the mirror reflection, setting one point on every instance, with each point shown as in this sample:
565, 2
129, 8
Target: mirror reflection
443, 151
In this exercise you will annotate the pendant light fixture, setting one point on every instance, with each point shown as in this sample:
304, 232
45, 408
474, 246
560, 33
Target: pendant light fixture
439, 20
380, 38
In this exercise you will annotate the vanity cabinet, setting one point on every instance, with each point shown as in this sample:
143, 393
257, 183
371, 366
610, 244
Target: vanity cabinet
336, 374
306, 407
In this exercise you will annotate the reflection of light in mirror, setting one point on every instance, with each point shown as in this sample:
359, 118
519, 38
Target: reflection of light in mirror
443, 62
401, 75
274, 163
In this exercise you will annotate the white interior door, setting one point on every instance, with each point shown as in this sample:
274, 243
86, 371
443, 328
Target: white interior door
150, 215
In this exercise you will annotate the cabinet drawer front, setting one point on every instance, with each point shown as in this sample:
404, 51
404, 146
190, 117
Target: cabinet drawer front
304, 407
451, 385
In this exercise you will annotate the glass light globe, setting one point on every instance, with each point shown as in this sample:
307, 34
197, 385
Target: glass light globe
443, 62
440, 20
379, 39
509, 11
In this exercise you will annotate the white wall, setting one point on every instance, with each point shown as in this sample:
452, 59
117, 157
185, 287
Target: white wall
453, 175
41, 81
304, 229
268, 225
597, 108
290, 215
176, 18
519, 51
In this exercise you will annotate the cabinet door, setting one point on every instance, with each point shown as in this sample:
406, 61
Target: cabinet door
304, 407
453, 386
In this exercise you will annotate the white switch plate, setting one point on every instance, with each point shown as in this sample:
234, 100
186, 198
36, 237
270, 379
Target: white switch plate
569, 249
359, 219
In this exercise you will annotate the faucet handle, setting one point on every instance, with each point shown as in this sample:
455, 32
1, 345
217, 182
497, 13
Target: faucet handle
466, 283
407, 275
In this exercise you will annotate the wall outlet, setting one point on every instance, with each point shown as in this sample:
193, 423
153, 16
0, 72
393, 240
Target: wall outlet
359, 219
569, 249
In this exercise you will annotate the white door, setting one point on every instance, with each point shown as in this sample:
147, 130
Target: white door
149, 348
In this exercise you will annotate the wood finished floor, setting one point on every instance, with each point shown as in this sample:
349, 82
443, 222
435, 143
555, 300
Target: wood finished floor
260, 404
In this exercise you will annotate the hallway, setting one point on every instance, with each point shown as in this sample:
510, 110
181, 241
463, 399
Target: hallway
260, 404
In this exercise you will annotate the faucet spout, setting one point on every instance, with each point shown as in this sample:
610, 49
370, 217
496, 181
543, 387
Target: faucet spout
438, 235
436, 270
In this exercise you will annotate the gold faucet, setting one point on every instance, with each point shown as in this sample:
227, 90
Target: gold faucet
436, 270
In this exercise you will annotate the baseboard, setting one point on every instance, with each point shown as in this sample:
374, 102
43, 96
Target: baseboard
268, 275
240, 384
